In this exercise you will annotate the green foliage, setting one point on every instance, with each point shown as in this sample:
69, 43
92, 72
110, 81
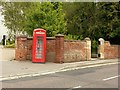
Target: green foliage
109, 19
94, 43
83, 19
73, 37
48, 17
10, 46
13, 17
94, 20
80, 18
1, 43
22, 17
8, 42
94, 46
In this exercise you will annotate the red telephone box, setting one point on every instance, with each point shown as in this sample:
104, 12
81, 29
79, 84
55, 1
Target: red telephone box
39, 45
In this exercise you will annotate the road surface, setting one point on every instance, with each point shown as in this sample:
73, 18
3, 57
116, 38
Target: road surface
95, 77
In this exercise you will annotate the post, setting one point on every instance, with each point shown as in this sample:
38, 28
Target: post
4, 40
101, 48
88, 48
59, 48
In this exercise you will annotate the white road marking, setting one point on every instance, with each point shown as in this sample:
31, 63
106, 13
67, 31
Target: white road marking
111, 78
74, 88
77, 87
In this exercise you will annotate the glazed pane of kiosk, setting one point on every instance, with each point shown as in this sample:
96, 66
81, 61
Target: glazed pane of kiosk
39, 46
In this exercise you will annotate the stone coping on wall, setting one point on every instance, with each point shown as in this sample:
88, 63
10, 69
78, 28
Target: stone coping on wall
31, 38
22, 36
50, 38
74, 40
59, 35
109, 44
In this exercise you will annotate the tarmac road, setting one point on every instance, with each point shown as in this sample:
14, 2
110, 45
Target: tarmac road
95, 77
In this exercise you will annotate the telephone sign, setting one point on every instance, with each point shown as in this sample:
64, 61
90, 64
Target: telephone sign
39, 45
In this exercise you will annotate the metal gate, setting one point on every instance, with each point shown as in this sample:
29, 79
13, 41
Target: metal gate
94, 49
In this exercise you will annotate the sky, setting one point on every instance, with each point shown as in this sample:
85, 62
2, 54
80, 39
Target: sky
3, 29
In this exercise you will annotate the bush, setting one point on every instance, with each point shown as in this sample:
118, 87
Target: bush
94, 46
10, 46
73, 37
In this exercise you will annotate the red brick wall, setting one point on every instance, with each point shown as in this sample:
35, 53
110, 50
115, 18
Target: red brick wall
50, 54
74, 50
24, 48
22, 54
58, 49
111, 51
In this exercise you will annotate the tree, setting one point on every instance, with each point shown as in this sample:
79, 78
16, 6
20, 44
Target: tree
80, 17
94, 20
48, 17
21, 17
109, 17
12, 17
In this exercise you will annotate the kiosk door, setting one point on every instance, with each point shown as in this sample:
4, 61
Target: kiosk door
39, 47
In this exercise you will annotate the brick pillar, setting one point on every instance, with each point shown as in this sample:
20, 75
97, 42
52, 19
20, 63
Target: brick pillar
101, 48
88, 48
59, 48
29, 48
21, 48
